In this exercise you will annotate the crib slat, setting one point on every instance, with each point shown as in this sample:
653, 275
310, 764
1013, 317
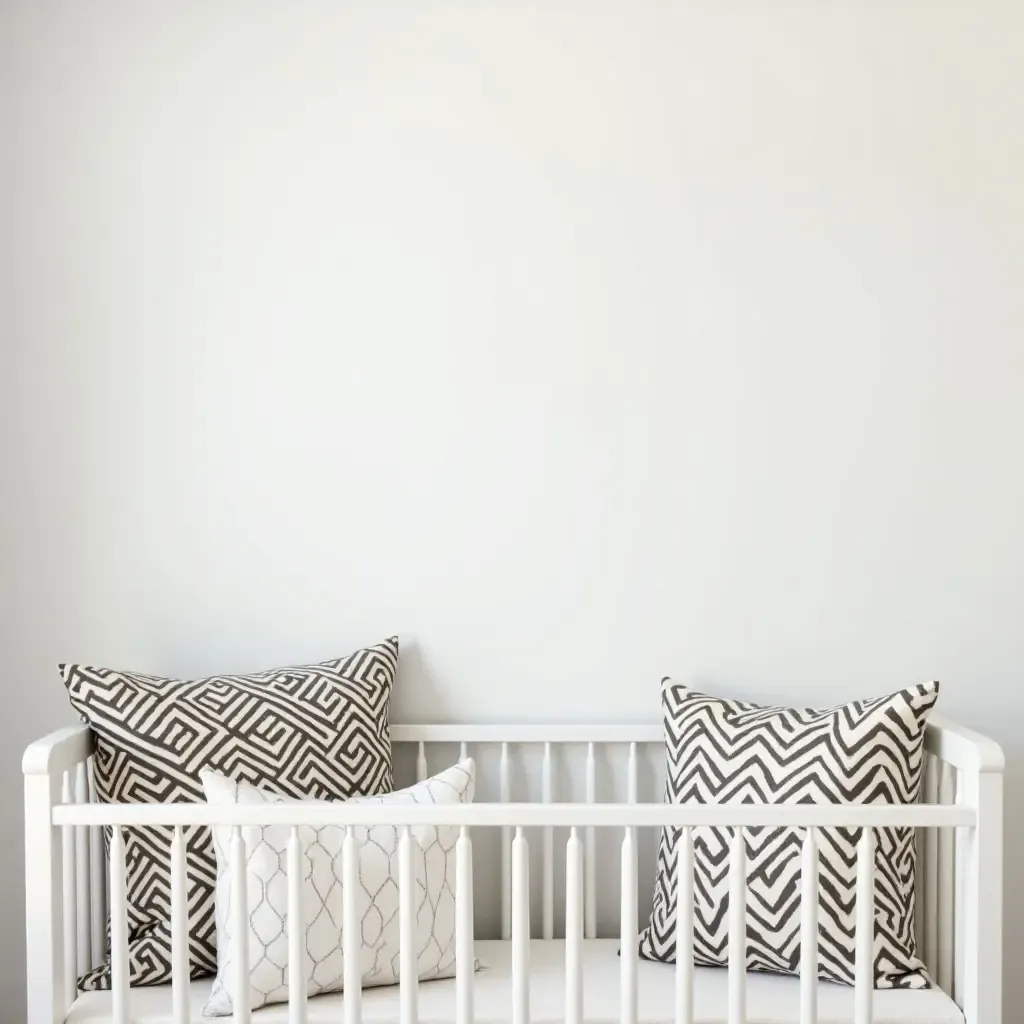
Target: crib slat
179, 930
69, 839
931, 853
505, 794
296, 932
633, 784
590, 860
946, 880
408, 976
574, 929
463, 929
520, 930
549, 851
463, 750
809, 931
864, 970
98, 881
959, 924
421, 761
118, 928
684, 927
921, 887
351, 933
738, 929
627, 931
238, 865
83, 874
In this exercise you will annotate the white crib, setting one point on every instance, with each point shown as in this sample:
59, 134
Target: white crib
558, 803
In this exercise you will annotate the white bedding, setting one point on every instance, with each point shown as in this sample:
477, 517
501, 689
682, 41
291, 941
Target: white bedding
770, 999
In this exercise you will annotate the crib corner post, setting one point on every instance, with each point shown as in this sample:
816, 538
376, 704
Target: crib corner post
983, 968
44, 901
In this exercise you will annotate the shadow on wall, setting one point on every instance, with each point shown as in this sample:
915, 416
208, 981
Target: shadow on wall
420, 696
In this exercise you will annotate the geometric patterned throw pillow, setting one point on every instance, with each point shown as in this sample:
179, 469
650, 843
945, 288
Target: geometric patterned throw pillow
314, 731
377, 894
869, 751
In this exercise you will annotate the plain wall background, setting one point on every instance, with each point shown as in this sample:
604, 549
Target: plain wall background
578, 343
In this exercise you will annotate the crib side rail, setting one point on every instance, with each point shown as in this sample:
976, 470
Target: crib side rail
620, 819
526, 815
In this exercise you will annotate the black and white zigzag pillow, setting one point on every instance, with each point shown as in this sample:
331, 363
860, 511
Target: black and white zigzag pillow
315, 731
870, 751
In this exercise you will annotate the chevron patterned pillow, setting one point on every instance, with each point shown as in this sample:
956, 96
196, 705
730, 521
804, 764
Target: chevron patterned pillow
314, 731
869, 751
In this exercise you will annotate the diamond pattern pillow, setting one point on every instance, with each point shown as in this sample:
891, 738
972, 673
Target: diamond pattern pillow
309, 731
869, 751
322, 894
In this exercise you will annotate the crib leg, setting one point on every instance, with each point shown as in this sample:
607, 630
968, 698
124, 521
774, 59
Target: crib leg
983, 962
44, 884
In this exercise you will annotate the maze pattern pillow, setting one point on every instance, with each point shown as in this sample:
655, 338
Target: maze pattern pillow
322, 894
315, 731
870, 751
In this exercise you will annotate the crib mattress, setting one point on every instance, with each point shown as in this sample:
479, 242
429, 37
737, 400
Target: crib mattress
770, 999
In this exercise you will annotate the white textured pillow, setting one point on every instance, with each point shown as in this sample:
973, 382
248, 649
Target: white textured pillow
266, 847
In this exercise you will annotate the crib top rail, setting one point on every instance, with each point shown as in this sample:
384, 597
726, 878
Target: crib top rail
523, 815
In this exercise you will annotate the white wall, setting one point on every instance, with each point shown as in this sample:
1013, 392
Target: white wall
578, 343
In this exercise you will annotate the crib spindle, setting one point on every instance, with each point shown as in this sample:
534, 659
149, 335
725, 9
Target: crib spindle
463, 750
505, 794
864, 970
960, 869
931, 857
296, 932
69, 839
590, 860
179, 930
921, 886
738, 929
238, 861
520, 930
633, 784
408, 976
97, 878
684, 927
627, 931
421, 761
548, 931
944, 969
809, 931
574, 929
118, 928
351, 933
83, 874
463, 929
